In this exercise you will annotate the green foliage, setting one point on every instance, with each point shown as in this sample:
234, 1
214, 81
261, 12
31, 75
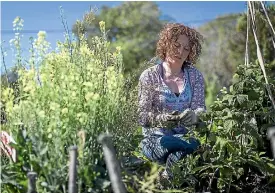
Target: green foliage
74, 95
134, 26
225, 43
211, 90
80, 90
216, 59
263, 32
232, 144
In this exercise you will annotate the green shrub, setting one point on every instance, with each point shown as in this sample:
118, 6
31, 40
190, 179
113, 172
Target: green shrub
234, 142
67, 97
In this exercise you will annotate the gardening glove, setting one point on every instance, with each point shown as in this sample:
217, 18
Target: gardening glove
168, 121
188, 118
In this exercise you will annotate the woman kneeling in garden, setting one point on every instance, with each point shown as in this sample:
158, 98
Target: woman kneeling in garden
170, 96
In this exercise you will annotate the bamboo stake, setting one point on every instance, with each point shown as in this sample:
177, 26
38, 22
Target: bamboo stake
246, 61
269, 22
259, 55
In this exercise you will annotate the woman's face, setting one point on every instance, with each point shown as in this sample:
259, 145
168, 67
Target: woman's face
181, 49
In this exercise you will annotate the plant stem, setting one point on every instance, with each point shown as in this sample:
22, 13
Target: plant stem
4, 63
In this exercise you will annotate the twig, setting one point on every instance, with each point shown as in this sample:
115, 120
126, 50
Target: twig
65, 25
4, 63
269, 22
246, 43
260, 58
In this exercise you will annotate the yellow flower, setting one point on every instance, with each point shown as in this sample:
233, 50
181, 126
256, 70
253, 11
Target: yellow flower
41, 114
82, 117
50, 136
89, 95
84, 50
7, 92
73, 94
41, 34
16, 20
118, 48
102, 26
64, 111
96, 96
54, 106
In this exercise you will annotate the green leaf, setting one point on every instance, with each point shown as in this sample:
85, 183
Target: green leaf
252, 131
249, 72
242, 99
44, 150
229, 124
204, 155
202, 168
253, 95
271, 180
24, 183
230, 147
226, 171
239, 116
219, 147
271, 165
260, 78
240, 172
229, 98
254, 163
236, 78
212, 137
238, 87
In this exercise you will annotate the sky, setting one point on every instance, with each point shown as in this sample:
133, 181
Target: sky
45, 16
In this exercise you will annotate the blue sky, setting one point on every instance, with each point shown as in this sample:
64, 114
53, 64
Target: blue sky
45, 16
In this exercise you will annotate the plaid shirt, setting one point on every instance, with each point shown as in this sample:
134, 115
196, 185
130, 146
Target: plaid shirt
150, 93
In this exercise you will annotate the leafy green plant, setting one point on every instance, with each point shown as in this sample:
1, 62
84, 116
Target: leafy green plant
66, 97
232, 143
71, 95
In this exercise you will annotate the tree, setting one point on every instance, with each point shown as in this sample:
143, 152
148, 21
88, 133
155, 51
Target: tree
215, 61
264, 34
225, 44
133, 26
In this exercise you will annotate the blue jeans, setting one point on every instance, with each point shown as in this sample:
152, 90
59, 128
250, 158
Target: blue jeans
167, 149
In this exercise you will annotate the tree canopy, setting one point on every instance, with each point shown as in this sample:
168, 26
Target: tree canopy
133, 26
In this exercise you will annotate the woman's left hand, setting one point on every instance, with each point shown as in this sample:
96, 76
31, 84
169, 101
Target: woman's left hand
188, 117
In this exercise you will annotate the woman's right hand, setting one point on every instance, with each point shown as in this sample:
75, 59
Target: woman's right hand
168, 121
188, 118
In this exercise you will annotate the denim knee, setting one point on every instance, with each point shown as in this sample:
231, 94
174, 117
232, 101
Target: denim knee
152, 150
193, 145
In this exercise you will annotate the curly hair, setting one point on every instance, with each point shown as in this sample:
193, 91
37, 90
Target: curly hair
170, 33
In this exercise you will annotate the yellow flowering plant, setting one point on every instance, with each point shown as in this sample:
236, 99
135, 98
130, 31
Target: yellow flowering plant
74, 89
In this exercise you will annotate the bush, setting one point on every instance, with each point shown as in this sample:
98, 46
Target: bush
234, 150
73, 95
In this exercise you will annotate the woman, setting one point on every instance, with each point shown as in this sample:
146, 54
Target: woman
170, 96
